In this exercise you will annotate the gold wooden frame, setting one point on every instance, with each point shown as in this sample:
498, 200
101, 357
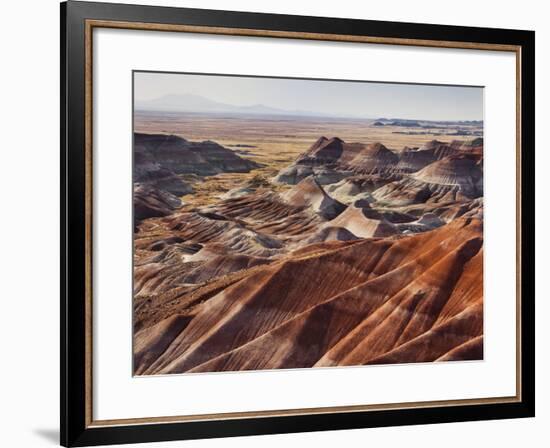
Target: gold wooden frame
89, 27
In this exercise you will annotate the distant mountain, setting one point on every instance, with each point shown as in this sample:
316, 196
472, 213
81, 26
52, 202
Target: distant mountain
183, 103
200, 104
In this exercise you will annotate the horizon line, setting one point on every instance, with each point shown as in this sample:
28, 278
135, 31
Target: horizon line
287, 113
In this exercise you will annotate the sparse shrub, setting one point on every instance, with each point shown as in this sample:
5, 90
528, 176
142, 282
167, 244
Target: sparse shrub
258, 181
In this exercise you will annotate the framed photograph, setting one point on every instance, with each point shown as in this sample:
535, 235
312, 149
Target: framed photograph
278, 223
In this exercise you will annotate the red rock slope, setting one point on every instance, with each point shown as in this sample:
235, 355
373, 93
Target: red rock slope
399, 299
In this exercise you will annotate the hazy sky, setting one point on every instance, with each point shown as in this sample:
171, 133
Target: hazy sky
339, 98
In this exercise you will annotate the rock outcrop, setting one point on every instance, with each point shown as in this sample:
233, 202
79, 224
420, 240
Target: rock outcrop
150, 202
453, 178
185, 157
149, 172
364, 222
309, 194
354, 157
331, 160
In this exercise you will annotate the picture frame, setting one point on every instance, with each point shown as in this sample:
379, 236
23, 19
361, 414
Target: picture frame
79, 22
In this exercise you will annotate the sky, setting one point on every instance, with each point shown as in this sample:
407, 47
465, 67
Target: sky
337, 98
